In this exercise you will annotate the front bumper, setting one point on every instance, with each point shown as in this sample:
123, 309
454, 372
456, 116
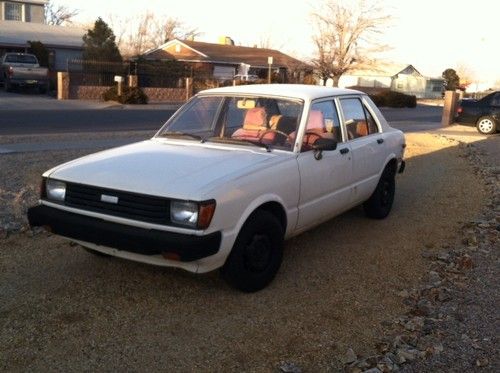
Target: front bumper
124, 237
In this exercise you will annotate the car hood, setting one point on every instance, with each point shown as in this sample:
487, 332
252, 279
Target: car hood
164, 168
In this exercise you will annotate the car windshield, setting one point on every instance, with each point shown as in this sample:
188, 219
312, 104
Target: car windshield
250, 120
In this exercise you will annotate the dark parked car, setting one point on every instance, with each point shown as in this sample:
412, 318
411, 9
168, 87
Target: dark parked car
483, 113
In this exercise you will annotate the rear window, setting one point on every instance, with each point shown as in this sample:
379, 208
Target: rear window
21, 58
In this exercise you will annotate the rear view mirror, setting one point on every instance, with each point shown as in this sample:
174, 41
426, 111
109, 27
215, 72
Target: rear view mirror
245, 104
321, 145
325, 144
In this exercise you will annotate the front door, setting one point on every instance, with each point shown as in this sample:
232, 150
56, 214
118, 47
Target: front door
325, 184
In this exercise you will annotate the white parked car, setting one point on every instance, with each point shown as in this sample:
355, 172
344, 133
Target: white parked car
232, 173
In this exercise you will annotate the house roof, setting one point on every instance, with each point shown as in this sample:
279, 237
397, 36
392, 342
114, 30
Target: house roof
39, 2
223, 53
16, 33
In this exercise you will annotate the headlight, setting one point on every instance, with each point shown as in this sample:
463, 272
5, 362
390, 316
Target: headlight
192, 214
56, 190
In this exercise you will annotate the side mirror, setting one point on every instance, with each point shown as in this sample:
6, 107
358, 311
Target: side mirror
323, 144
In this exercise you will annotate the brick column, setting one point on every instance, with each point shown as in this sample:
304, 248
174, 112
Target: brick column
189, 88
450, 104
133, 81
62, 86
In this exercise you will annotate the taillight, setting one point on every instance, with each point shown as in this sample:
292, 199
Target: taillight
459, 110
10, 71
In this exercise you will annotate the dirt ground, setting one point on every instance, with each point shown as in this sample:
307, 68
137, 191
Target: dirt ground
65, 309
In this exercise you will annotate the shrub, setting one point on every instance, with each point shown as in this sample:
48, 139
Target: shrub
130, 95
394, 99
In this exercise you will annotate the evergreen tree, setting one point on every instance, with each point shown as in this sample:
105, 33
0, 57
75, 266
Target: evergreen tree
451, 80
40, 51
99, 43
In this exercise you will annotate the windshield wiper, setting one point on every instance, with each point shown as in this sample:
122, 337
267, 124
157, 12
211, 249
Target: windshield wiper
184, 134
259, 144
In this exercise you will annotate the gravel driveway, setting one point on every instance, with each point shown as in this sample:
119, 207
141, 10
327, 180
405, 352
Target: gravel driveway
65, 309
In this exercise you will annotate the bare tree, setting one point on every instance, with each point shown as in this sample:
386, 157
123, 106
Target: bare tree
346, 37
59, 14
466, 74
148, 32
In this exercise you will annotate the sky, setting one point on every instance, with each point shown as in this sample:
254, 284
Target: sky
432, 35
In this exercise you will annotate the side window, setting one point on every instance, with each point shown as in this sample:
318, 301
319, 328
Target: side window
372, 124
323, 118
495, 101
354, 118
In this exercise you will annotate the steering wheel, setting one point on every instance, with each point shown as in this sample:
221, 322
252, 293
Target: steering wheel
270, 130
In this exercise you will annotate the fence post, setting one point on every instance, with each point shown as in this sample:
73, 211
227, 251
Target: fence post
450, 103
189, 88
62, 85
133, 81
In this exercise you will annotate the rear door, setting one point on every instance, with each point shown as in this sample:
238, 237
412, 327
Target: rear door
366, 143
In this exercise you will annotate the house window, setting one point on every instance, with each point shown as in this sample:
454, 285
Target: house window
13, 12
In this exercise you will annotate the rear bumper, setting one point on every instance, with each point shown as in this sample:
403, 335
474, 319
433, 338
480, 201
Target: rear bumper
124, 237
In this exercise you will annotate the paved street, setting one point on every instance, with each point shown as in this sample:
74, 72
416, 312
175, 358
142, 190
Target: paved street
22, 114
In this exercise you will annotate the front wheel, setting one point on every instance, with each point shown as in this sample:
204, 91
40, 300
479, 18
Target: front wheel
379, 205
486, 125
257, 253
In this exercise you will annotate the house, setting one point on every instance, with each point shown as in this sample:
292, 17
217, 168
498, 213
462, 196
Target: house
224, 60
400, 78
63, 43
23, 10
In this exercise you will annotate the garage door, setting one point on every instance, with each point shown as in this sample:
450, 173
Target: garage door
223, 72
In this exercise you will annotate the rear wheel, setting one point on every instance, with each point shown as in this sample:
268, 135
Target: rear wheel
486, 125
380, 203
257, 253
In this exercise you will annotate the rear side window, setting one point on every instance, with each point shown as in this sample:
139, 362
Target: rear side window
357, 119
20, 58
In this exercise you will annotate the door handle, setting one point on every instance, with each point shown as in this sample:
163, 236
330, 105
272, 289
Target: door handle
344, 150
380, 141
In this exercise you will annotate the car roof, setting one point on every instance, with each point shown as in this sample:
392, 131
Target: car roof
301, 91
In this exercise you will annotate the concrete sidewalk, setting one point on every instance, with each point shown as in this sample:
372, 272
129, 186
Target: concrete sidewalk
30, 101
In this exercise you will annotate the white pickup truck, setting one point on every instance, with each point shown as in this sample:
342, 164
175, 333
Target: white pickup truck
22, 69
233, 173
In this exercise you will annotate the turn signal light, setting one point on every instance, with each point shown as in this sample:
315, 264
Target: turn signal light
206, 212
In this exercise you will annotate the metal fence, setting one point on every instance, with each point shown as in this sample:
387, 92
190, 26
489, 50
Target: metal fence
96, 73
149, 73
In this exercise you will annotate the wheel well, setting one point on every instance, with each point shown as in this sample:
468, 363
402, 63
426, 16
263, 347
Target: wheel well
392, 165
277, 210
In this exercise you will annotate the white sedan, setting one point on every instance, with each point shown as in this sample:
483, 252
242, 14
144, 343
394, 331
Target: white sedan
231, 175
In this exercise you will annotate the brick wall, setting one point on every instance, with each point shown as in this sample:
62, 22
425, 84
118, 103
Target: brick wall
165, 94
86, 92
154, 94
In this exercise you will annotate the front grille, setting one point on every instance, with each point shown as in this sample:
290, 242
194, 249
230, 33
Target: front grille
130, 205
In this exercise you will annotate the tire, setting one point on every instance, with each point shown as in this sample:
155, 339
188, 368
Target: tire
379, 205
486, 125
96, 253
256, 255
